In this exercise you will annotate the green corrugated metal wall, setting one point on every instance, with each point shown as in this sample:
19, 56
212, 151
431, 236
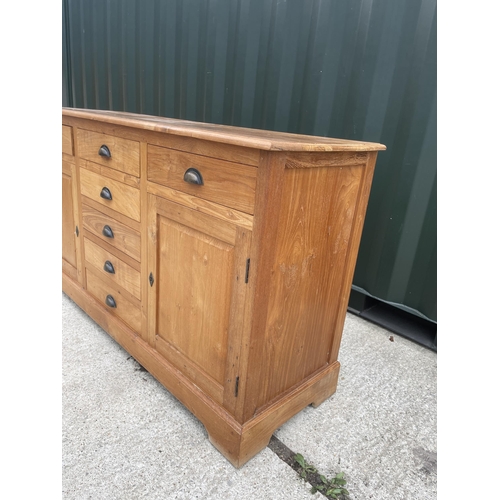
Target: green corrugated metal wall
354, 69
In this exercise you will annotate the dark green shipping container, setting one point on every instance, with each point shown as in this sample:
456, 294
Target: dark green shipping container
354, 69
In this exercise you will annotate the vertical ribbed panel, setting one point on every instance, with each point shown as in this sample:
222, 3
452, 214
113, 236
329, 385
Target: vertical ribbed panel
66, 71
357, 69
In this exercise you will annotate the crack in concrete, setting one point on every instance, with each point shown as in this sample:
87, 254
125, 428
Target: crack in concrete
288, 456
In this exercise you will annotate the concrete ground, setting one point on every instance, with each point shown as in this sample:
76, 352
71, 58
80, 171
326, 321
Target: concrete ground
126, 437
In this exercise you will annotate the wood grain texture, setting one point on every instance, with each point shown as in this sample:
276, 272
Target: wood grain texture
152, 258
316, 217
112, 214
190, 369
126, 310
268, 201
200, 205
66, 168
352, 253
318, 160
239, 321
125, 199
130, 180
77, 203
220, 230
237, 136
67, 140
194, 278
226, 183
124, 275
68, 221
125, 238
144, 240
237, 154
198, 292
68, 159
124, 152
134, 264
69, 270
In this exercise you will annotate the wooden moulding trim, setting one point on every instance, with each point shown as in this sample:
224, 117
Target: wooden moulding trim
111, 249
268, 201
266, 140
318, 160
67, 140
204, 206
112, 285
195, 372
116, 175
144, 240
113, 214
287, 392
210, 149
68, 158
285, 403
67, 168
257, 432
238, 443
69, 269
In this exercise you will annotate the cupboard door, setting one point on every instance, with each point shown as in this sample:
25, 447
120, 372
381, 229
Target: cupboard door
198, 265
68, 221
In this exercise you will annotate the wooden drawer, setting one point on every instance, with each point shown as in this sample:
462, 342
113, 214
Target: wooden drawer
113, 268
125, 309
124, 153
124, 238
124, 199
224, 182
67, 140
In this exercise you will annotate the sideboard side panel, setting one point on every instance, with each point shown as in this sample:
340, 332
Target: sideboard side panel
307, 274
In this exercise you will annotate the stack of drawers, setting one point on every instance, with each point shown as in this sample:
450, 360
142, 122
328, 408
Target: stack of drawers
111, 215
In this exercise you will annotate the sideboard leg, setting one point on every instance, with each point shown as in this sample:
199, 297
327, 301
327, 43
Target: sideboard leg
328, 388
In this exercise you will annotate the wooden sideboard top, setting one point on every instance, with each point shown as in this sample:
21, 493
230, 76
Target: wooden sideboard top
238, 136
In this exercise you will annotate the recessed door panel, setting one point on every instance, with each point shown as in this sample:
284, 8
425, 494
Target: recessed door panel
197, 295
194, 289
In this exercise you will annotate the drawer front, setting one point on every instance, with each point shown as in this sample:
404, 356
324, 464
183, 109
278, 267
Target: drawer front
127, 311
224, 182
113, 268
124, 199
119, 235
67, 140
124, 154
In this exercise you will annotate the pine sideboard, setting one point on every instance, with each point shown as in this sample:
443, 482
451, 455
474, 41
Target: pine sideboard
221, 258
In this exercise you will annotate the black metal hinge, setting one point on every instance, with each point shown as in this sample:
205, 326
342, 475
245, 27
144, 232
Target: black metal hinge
236, 387
77, 232
247, 271
151, 279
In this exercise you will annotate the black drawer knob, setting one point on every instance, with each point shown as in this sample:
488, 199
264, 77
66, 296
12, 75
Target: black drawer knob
108, 267
104, 151
106, 193
193, 176
107, 231
110, 301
